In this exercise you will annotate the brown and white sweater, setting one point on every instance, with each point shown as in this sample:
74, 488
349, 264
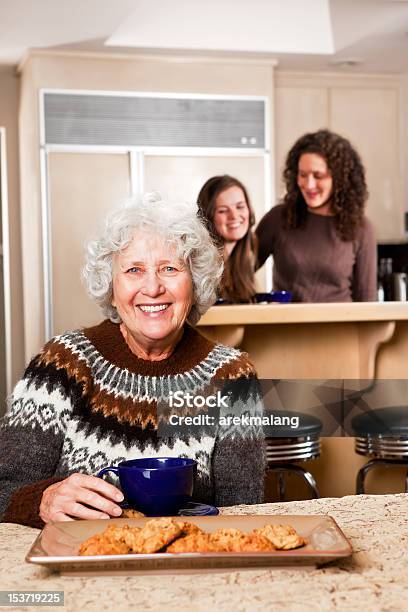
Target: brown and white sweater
86, 401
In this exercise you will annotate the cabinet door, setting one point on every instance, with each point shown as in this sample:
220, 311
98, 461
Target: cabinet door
370, 119
181, 177
297, 110
82, 187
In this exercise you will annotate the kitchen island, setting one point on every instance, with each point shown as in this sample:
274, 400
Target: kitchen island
353, 340
325, 342
374, 578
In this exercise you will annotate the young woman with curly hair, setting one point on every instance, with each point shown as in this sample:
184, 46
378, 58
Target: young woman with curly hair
225, 205
323, 246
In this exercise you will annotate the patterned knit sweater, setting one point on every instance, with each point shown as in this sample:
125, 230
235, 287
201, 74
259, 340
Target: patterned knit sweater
86, 401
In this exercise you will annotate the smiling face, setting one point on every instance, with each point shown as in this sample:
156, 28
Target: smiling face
315, 182
231, 215
153, 294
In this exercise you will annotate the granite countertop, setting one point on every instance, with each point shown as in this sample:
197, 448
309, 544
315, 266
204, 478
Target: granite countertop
374, 578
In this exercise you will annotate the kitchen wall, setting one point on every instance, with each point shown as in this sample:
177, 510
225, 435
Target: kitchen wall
404, 139
9, 104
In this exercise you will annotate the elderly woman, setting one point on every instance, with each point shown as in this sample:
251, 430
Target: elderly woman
89, 399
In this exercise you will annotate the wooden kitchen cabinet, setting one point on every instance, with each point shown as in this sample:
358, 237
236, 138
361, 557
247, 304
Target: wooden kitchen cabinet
370, 119
298, 110
363, 108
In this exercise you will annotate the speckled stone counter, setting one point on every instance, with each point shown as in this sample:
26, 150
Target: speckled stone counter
374, 578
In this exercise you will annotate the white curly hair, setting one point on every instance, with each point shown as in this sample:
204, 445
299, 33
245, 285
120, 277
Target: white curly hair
179, 224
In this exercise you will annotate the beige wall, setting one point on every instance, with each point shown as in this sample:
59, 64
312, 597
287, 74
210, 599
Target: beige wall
9, 103
404, 138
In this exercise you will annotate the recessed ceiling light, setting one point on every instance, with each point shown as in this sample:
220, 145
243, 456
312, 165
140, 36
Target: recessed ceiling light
346, 61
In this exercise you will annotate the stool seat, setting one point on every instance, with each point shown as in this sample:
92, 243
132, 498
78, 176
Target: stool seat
283, 421
392, 421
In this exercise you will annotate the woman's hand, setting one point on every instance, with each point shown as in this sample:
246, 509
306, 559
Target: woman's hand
63, 501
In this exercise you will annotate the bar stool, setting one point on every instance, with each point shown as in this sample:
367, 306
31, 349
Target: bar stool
285, 446
383, 435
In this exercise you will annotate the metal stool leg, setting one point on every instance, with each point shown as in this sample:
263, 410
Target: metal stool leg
304, 474
362, 475
281, 485
308, 477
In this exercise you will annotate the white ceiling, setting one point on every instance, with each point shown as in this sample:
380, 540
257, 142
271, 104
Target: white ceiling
373, 33
229, 25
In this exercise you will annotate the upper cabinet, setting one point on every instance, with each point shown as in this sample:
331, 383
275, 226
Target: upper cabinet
365, 109
298, 110
370, 119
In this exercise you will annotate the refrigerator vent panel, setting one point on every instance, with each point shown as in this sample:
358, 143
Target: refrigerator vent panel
118, 120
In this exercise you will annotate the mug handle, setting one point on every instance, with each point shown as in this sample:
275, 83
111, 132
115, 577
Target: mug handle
110, 468
115, 470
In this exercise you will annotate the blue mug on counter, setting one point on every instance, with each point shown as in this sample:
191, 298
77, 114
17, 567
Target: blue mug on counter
158, 486
282, 297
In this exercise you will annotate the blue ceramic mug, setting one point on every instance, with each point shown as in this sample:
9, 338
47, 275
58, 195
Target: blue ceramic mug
284, 297
157, 486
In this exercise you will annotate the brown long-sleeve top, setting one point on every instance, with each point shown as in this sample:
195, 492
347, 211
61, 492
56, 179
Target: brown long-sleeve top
314, 263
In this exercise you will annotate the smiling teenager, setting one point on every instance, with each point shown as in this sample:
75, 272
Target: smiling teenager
90, 398
226, 207
323, 246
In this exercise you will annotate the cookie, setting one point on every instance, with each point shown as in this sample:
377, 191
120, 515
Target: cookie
155, 535
233, 540
195, 542
110, 542
188, 528
283, 537
130, 513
